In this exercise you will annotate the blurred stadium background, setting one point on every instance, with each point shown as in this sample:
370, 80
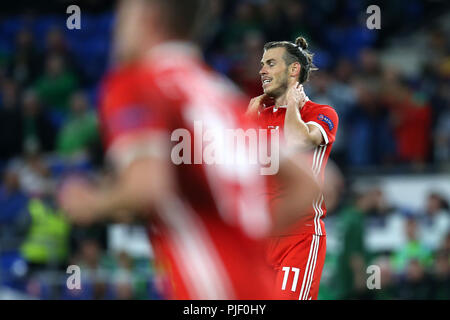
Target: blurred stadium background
390, 87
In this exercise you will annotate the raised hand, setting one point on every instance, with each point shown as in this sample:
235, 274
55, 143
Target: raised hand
296, 96
258, 103
78, 201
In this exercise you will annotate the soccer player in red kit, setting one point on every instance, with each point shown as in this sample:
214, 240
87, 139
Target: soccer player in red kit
298, 254
206, 222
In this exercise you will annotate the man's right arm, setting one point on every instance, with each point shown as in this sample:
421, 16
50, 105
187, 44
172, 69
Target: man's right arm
139, 188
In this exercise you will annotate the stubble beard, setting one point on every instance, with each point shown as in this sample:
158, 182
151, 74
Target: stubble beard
281, 89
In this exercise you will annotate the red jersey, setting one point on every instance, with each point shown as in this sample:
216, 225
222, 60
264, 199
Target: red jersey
325, 118
208, 236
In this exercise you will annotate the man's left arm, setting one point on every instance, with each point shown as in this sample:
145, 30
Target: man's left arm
297, 133
306, 135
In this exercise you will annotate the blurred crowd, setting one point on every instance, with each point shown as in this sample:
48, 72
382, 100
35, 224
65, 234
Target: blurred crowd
383, 102
409, 248
394, 111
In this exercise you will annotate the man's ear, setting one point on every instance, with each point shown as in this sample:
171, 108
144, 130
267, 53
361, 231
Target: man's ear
294, 69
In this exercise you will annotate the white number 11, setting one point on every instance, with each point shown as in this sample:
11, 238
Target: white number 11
286, 276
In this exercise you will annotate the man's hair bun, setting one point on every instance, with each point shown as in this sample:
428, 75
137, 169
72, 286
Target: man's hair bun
302, 43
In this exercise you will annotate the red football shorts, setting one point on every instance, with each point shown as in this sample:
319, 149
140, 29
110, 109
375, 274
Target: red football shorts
298, 262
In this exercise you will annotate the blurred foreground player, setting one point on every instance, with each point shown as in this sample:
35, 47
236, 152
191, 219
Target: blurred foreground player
205, 221
297, 254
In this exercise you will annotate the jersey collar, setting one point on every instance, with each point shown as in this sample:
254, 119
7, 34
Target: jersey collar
275, 108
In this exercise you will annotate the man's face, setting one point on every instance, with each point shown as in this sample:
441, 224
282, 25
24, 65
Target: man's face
274, 72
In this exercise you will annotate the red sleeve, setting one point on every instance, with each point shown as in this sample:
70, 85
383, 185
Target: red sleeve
127, 115
124, 111
326, 119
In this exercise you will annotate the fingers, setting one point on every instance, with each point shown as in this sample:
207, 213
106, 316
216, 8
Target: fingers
297, 88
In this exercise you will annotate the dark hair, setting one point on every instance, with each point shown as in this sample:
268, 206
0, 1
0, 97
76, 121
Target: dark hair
296, 52
181, 17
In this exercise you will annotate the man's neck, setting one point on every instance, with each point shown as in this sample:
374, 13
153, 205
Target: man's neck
281, 100
162, 48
